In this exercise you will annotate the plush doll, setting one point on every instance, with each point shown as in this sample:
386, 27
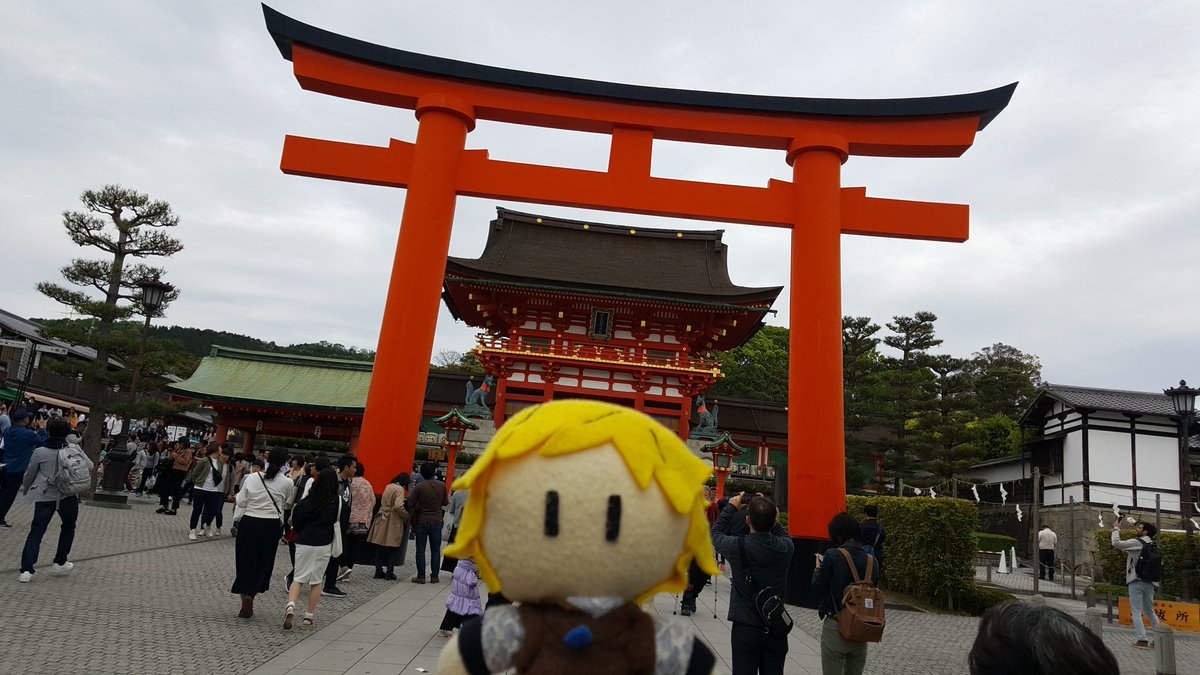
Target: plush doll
578, 512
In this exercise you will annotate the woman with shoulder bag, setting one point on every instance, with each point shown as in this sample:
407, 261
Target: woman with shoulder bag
313, 520
258, 522
208, 495
390, 530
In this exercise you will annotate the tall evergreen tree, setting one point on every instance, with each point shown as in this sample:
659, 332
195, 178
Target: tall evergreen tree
863, 396
122, 224
910, 390
1006, 380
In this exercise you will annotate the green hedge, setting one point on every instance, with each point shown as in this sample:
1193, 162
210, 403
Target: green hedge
977, 600
993, 542
930, 546
1112, 561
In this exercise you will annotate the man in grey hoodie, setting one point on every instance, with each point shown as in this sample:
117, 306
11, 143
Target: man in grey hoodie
47, 500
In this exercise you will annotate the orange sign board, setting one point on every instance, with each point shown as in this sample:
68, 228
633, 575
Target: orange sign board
1177, 615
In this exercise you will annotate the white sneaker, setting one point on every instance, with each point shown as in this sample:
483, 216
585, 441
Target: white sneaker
218, 534
25, 577
63, 568
192, 535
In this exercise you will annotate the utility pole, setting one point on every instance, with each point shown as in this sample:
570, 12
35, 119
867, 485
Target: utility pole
1033, 525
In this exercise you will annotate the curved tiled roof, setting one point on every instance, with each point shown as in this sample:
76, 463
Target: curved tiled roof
674, 263
1093, 398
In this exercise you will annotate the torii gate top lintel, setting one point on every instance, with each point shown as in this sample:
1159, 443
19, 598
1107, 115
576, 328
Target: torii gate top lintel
392, 76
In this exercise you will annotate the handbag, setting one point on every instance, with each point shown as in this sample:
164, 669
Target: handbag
288, 537
335, 549
767, 604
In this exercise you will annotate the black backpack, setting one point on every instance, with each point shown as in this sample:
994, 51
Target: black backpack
1149, 565
767, 604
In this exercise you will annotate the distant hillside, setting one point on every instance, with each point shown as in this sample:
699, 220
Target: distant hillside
199, 341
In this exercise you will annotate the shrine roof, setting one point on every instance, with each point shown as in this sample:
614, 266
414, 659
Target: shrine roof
283, 380
287, 32
584, 255
274, 380
1092, 398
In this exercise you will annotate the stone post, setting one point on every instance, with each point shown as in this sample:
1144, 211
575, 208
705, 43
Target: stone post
1093, 618
1164, 650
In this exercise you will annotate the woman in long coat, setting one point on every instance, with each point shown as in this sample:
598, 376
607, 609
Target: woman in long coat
390, 530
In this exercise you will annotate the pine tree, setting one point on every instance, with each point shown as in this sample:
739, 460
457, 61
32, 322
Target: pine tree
125, 225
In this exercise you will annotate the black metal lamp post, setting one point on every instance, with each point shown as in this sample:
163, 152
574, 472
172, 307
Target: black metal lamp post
154, 292
1183, 399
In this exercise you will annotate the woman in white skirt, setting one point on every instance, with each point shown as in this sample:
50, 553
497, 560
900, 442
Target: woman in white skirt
258, 521
313, 519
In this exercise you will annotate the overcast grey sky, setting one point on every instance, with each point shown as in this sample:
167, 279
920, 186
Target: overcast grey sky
1085, 210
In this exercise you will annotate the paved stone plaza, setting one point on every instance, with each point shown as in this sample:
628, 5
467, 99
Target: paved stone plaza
142, 599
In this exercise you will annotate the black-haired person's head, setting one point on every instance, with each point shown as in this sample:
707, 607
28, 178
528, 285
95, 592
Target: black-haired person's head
275, 459
843, 528
402, 479
359, 469
58, 427
871, 510
1017, 637
346, 467
761, 515
429, 470
1150, 529
325, 488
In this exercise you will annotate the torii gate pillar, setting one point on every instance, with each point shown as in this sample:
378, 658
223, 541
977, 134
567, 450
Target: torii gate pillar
818, 135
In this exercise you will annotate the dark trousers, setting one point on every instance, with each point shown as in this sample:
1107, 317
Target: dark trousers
1046, 563
331, 570
755, 652
697, 580
429, 534
206, 506
146, 473
172, 488
10, 485
68, 513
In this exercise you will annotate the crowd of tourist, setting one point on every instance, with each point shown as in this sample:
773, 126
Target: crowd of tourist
326, 512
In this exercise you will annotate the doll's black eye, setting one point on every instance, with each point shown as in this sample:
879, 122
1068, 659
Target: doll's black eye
612, 525
551, 526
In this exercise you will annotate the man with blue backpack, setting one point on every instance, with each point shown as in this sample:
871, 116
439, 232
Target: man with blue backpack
1143, 572
58, 472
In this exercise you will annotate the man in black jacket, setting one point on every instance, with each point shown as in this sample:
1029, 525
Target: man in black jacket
769, 551
830, 579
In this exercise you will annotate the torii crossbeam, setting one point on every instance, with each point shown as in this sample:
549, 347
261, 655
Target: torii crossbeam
818, 135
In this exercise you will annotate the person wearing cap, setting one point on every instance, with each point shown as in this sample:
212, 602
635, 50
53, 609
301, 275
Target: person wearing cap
48, 500
19, 443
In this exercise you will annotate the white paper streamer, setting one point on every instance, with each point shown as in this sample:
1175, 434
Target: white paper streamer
1101, 517
1003, 495
1116, 511
917, 490
975, 491
1019, 513
1194, 523
932, 494
1130, 520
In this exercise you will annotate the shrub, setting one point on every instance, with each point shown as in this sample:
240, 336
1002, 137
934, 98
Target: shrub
929, 547
976, 600
1112, 561
993, 542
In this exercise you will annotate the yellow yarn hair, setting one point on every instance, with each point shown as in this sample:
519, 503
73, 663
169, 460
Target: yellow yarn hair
650, 452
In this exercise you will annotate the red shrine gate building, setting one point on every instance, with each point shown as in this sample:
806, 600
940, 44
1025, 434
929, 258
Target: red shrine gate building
577, 309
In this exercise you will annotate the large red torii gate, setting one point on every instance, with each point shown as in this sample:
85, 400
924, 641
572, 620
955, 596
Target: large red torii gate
818, 136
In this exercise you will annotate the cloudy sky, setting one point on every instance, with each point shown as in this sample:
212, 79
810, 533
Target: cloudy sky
1085, 210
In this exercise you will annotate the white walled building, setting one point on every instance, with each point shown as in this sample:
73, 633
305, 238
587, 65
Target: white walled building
1102, 447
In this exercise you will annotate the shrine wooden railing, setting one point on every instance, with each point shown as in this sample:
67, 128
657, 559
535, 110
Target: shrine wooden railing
631, 356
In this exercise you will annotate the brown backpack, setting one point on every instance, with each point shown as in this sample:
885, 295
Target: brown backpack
861, 618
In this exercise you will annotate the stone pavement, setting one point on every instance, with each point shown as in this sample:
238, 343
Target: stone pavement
143, 599
394, 633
